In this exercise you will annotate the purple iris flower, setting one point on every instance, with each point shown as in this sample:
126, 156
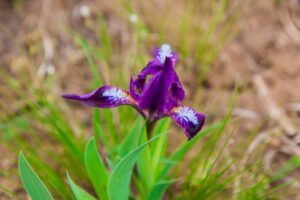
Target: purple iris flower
160, 97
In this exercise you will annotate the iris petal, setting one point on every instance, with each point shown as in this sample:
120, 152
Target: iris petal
156, 65
188, 119
133, 93
152, 68
177, 89
155, 94
104, 97
177, 93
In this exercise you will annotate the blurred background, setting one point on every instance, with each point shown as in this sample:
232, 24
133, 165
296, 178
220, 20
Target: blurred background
245, 47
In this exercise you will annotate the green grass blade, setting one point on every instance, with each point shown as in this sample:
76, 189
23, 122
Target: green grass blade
79, 193
292, 164
98, 130
96, 169
108, 114
104, 38
60, 128
93, 67
183, 149
119, 182
31, 181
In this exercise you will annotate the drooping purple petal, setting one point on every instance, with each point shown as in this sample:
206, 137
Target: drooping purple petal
188, 119
155, 94
177, 89
160, 54
104, 97
176, 93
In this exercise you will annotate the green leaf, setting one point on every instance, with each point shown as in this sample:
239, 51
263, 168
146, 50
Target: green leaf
130, 141
79, 193
145, 168
158, 189
119, 182
159, 147
31, 181
96, 169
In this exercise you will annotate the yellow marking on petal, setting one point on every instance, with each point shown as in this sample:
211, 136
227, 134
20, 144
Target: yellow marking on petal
186, 113
176, 109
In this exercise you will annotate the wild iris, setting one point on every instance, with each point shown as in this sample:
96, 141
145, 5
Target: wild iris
160, 97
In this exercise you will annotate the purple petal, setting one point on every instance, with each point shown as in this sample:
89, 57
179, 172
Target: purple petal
152, 68
160, 54
188, 119
177, 93
136, 95
177, 89
155, 94
155, 66
104, 97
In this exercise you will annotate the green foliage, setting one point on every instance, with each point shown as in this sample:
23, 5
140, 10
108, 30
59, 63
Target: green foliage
93, 67
130, 142
158, 190
155, 167
121, 174
55, 140
96, 169
31, 181
78, 192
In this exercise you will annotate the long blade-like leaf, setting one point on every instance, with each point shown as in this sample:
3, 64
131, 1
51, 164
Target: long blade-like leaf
79, 193
31, 181
158, 190
130, 141
96, 169
119, 182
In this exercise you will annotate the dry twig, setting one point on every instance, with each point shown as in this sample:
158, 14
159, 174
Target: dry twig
274, 111
289, 26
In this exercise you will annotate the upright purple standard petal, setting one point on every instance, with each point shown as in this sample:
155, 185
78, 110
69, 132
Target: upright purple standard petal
188, 119
155, 94
104, 97
155, 65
